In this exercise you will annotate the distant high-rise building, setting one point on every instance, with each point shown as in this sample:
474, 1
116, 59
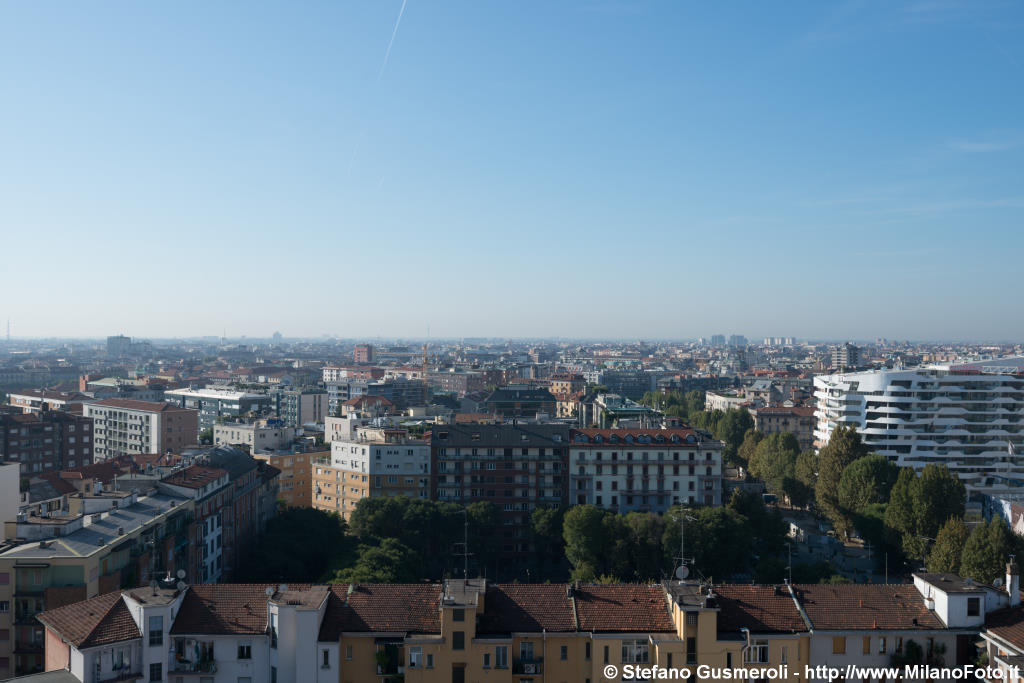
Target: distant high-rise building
119, 346
737, 340
718, 340
845, 356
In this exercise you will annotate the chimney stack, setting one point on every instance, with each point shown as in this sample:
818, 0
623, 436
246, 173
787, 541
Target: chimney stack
1013, 581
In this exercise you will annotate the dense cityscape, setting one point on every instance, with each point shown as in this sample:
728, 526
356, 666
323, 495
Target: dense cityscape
712, 501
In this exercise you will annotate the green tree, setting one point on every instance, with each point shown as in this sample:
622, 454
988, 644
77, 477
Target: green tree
745, 453
774, 461
731, 428
938, 495
549, 557
583, 532
806, 472
866, 481
389, 562
206, 436
300, 544
986, 551
843, 448
949, 546
899, 514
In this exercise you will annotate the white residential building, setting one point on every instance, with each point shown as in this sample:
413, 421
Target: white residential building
647, 470
962, 415
122, 426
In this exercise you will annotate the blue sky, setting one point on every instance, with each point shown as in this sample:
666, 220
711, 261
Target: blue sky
579, 168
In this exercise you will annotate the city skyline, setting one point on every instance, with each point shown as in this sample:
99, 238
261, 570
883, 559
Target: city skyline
410, 168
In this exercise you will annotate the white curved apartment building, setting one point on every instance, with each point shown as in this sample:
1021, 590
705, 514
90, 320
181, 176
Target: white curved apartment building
964, 415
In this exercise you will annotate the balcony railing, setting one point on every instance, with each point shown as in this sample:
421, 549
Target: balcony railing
532, 665
200, 667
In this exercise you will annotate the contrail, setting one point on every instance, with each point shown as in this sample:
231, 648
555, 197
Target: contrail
391, 42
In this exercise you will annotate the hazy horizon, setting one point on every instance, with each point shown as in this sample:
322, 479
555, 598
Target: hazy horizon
588, 169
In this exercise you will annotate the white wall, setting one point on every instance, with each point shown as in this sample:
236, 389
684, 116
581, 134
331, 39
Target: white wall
10, 481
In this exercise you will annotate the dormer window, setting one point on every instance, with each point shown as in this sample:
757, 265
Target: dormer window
974, 607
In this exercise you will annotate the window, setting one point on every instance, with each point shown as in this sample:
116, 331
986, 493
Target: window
839, 645
881, 646
636, 651
691, 618
415, 657
728, 660
273, 674
605, 654
459, 640
430, 661
586, 651
325, 659
156, 672
273, 630
758, 652
501, 657
458, 615
156, 635
487, 660
5, 606
867, 645
691, 650
564, 653
245, 651
526, 650
973, 607
784, 654
348, 652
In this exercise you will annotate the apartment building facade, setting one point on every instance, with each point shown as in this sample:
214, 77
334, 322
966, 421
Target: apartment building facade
339, 482
212, 404
967, 416
515, 467
296, 478
46, 441
267, 434
645, 470
397, 465
796, 420
125, 427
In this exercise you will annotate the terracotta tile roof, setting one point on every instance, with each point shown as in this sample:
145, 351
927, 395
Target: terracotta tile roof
866, 606
222, 609
98, 621
195, 477
762, 609
1007, 624
395, 608
623, 608
368, 398
510, 608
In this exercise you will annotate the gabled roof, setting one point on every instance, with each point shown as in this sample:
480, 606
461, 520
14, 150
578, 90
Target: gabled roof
98, 621
224, 609
1007, 624
866, 606
389, 608
623, 608
523, 608
762, 609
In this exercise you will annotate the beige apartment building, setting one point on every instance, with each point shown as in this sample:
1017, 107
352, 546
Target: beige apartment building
296, 479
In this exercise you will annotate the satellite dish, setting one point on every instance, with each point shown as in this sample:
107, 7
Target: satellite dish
269, 591
283, 587
181, 585
682, 571
181, 573
997, 582
153, 583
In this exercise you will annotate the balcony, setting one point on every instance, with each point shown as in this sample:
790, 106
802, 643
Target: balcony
185, 667
531, 665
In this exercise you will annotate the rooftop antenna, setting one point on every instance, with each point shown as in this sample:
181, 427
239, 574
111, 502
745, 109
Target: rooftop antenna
682, 571
465, 548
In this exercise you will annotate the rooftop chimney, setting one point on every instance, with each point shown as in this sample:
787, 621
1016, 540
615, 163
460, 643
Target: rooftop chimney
1013, 581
